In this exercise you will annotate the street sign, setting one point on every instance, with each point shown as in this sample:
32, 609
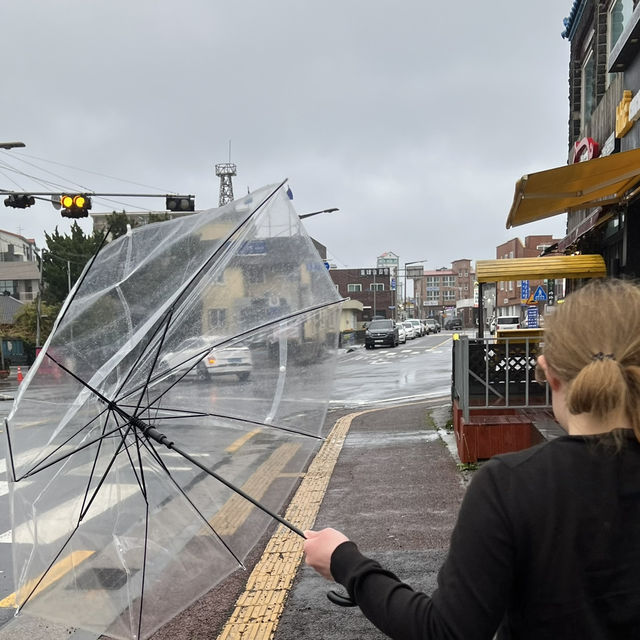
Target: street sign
532, 317
540, 295
524, 290
393, 284
551, 291
327, 266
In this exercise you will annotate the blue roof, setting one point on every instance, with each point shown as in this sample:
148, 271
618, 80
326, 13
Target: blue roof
572, 20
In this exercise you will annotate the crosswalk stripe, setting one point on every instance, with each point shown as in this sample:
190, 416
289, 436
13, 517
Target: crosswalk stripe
54, 524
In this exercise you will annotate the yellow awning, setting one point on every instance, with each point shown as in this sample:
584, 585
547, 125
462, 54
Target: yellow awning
582, 185
580, 266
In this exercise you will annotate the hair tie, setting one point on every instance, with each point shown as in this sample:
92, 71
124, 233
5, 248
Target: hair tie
603, 356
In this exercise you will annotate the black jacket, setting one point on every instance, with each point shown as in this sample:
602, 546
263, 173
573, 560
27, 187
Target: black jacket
547, 545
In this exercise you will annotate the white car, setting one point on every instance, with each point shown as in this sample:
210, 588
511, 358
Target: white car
507, 323
417, 327
402, 334
220, 361
409, 329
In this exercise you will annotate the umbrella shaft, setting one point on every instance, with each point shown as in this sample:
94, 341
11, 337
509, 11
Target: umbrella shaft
154, 434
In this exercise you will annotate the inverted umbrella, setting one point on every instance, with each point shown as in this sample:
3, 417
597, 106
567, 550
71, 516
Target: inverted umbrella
193, 364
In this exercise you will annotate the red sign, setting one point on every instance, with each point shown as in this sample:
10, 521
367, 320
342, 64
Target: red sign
585, 149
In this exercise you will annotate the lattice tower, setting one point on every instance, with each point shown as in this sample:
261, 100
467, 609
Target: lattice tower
226, 171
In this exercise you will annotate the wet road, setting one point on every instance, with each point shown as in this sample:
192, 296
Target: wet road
417, 370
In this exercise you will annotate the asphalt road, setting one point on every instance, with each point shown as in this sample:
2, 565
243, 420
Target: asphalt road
418, 370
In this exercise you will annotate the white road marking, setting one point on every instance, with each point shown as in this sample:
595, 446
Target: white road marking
57, 522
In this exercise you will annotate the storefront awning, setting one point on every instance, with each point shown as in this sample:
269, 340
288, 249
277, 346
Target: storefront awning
593, 183
580, 266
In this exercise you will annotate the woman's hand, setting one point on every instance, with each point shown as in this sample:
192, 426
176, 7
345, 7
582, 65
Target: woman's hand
318, 547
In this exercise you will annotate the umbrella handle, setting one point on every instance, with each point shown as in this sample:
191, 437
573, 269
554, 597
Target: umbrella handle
340, 599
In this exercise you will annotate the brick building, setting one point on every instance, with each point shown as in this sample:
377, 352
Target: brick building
371, 286
448, 292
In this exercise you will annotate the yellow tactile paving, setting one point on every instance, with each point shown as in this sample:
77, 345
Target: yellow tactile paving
259, 608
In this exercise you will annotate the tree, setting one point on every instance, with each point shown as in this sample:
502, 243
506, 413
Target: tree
25, 323
64, 259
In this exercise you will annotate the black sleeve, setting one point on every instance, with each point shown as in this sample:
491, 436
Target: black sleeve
474, 583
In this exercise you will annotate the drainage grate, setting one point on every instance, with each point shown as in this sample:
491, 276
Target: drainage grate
102, 578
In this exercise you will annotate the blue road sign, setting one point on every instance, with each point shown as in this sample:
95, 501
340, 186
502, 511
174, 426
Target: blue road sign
532, 317
524, 290
393, 284
540, 294
327, 266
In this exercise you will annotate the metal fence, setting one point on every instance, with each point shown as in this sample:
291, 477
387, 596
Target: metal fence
492, 373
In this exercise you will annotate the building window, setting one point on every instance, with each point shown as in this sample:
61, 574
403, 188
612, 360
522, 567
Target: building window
254, 275
9, 288
617, 19
448, 281
433, 280
588, 97
376, 286
354, 288
449, 296
217, 318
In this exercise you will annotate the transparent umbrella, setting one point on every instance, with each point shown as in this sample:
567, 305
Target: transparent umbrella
168, 417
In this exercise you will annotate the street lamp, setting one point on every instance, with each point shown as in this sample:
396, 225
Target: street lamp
315, 213
406, 264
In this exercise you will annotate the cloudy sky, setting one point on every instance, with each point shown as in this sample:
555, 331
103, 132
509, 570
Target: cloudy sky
414, 117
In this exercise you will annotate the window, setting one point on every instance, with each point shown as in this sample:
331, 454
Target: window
376, 286
617, 19
448, 281
433, 280
354, 288
217, 318
9, 288
254, 274
588, 98
449, 296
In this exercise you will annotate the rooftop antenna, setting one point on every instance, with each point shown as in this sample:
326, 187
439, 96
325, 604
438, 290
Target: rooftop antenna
225, 172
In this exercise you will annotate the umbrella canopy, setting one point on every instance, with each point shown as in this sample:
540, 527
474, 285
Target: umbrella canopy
214, 334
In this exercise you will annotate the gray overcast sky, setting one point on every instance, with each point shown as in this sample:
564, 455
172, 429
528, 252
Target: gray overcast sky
414, 117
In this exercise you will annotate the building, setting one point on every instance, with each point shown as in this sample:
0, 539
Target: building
372, 287
600, 198
508, 297
448, 292
19, 273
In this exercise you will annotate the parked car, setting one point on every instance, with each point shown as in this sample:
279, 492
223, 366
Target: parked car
402, 334
431, 325
508, 323
453, 324
410, 329
380, 333
224, 360
417, 326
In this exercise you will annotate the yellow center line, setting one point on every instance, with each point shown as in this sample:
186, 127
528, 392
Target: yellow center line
57, 571
234, 446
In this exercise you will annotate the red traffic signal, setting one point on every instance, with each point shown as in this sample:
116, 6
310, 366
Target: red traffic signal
75, 205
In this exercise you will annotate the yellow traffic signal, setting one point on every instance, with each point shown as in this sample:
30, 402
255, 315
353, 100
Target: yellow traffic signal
75, 205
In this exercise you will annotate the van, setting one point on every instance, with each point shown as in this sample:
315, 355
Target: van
506, 323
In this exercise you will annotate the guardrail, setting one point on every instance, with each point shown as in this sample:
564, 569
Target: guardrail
497, 373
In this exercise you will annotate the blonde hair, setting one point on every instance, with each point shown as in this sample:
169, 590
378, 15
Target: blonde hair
592, 343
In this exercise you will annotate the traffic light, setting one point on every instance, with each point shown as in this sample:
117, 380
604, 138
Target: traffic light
75, 205
181, 203
19, 201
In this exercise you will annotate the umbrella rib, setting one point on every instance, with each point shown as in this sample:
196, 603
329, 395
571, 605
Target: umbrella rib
39, 467
42, 467
144, 565
10, 449
235, 338
46, 571
152, 433
83, 512
152, 450
166, 319
257, 423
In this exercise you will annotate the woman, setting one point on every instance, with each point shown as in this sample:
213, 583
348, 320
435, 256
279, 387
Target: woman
547, 542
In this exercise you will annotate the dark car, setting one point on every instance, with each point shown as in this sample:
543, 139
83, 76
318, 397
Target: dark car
453, 323
380, 333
